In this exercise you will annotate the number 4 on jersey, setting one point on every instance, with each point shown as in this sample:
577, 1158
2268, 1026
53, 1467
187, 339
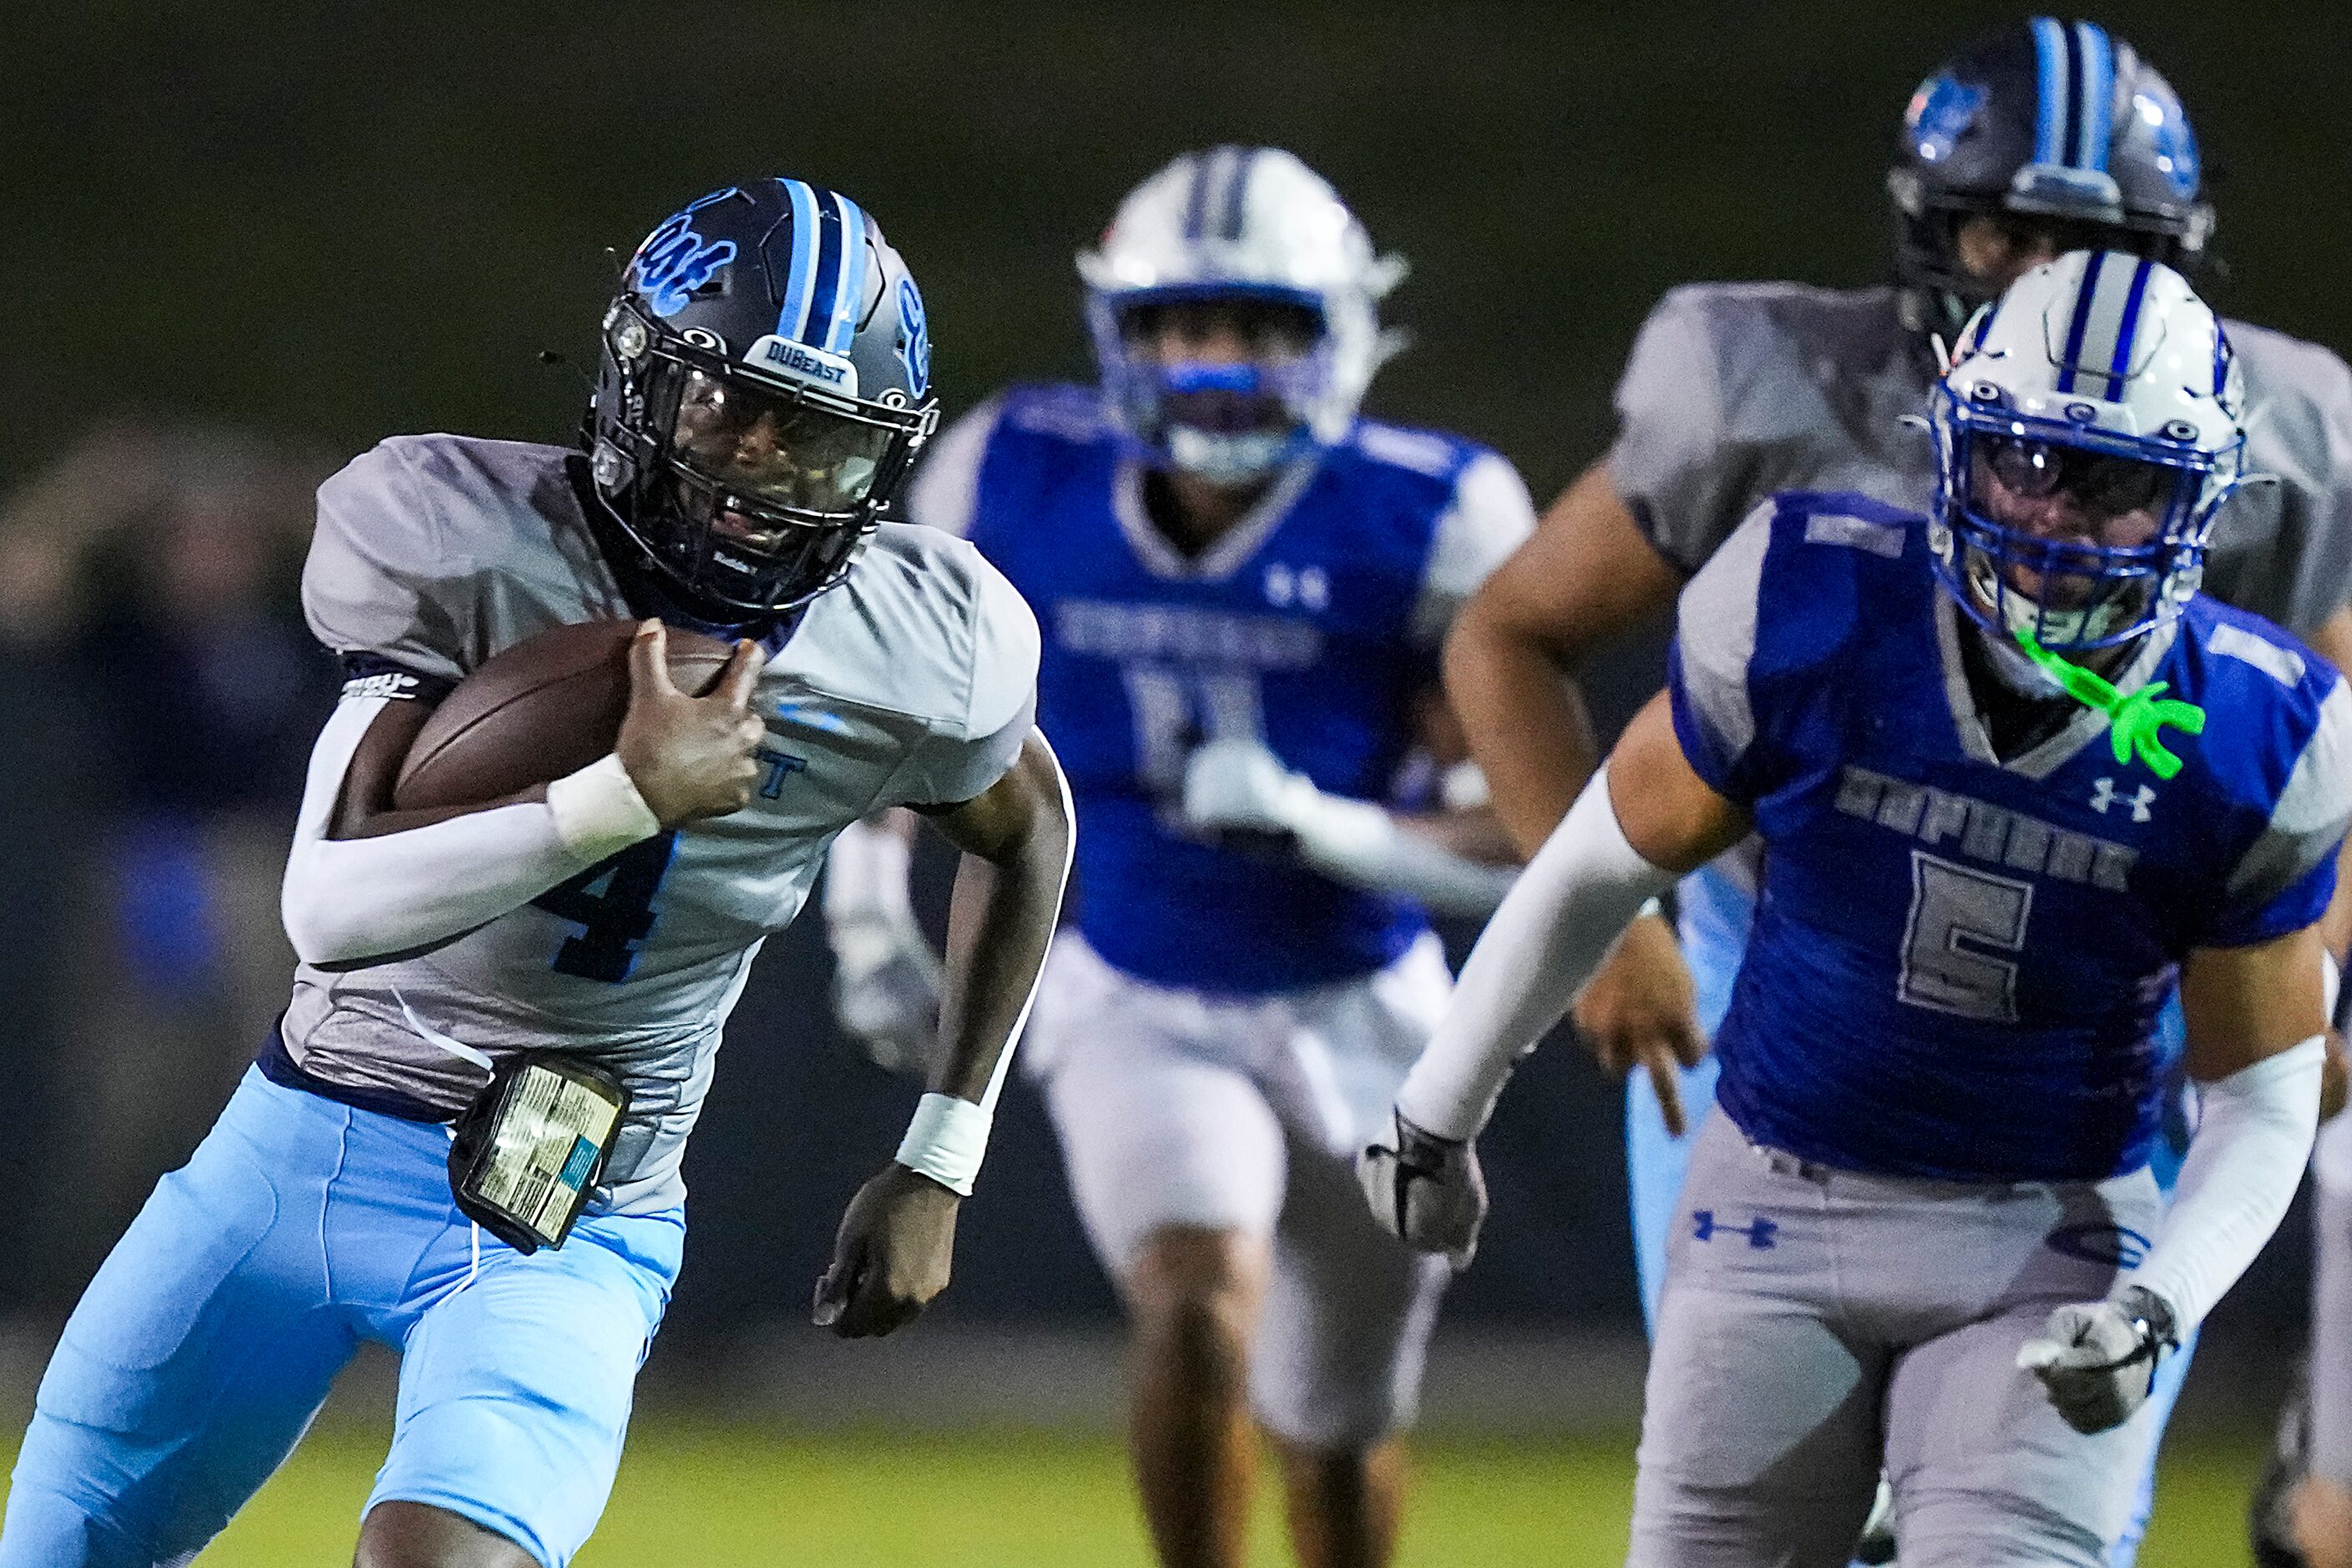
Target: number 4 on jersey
613, 903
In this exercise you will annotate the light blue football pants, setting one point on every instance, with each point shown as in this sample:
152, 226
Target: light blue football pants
1716, 915
299, 1228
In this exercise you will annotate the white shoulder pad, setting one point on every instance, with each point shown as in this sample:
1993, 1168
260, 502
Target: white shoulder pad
1492, 515
409, 530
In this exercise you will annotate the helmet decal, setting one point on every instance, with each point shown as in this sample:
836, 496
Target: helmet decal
1941, 112
914, 337
674, 262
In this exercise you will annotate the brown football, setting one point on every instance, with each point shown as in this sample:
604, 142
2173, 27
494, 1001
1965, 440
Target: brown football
541, 708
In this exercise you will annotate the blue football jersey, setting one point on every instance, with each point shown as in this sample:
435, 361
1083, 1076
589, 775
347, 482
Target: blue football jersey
1958, 961
1313, 625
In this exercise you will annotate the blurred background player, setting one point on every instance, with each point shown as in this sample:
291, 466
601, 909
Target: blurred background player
156, 560
2037, 138
765, 382
1242, 585
1941, 1072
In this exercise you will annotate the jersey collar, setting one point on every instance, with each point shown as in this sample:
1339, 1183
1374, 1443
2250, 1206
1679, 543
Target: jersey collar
2088, 724
1226, 556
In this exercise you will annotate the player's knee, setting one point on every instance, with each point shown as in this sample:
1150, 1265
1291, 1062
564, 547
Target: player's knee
2322, 1511
418, 1535
1194, 1295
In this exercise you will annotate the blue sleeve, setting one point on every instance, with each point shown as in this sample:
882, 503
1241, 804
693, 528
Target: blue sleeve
2283, 881
2299, 904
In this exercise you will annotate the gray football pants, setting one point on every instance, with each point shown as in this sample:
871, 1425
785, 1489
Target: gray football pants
1816, 1324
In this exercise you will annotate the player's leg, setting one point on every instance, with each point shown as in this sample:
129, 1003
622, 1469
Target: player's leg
1760, 1416
1177, 1166
1712, 922
197, 1355
1335, 1374
515, 1391
1985, 1473
2320, 1508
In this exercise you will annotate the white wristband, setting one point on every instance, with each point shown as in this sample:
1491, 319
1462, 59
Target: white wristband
598, 811
946, 1141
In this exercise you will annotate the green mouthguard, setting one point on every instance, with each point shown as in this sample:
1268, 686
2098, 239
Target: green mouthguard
2133, 721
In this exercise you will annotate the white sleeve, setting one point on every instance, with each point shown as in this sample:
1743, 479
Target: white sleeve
348, 900
2245, 1160
944, 490
1582, 889
1491, 516
961, 760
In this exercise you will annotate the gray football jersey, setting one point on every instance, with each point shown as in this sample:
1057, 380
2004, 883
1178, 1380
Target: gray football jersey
1735, 391
911, 683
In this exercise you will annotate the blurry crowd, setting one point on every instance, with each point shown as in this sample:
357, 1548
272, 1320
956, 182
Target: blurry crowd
158, 697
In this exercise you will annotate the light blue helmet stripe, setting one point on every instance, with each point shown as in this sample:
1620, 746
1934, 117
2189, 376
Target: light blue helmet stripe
2119, 366
2050, 102
2084, 299
2094, 118
800, 283
849, 279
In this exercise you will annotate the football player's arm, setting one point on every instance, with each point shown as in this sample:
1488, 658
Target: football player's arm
886, 978
1645, 817
2256, 1024
366, 883
1452, 859
897, 1242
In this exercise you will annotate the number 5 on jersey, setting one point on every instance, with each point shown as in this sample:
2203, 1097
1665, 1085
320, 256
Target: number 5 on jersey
1955, 905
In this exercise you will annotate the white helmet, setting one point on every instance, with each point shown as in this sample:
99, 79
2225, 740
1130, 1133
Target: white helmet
2102, 372
1247, 222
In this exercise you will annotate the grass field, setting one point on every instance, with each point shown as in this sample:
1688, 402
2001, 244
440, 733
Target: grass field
711, 1496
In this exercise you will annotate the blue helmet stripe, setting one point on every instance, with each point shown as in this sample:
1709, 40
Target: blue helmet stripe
2120, 365
1229, 223
2093, 122
850, 285
801, 280
827, 272
2084, 300
1196, 199
2050, 101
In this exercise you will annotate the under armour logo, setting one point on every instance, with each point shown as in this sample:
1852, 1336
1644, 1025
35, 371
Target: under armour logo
1759, 1231
2103, 796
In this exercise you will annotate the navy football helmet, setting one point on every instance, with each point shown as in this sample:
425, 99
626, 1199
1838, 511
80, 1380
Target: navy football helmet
2053, 121
763, 385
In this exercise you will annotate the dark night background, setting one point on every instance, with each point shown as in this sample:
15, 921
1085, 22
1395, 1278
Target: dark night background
332, 224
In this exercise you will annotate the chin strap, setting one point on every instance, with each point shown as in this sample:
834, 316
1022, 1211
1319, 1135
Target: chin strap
2135, 720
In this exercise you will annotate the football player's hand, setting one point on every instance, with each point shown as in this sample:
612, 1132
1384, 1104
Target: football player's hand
1237, 786
690, 757
1638, 1011
2098, 1359
1427, 1191
896, 1243
886, 990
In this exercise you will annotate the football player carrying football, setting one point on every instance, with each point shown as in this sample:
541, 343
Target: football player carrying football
562, 958
2017, 779
2040, 136
1242, 585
